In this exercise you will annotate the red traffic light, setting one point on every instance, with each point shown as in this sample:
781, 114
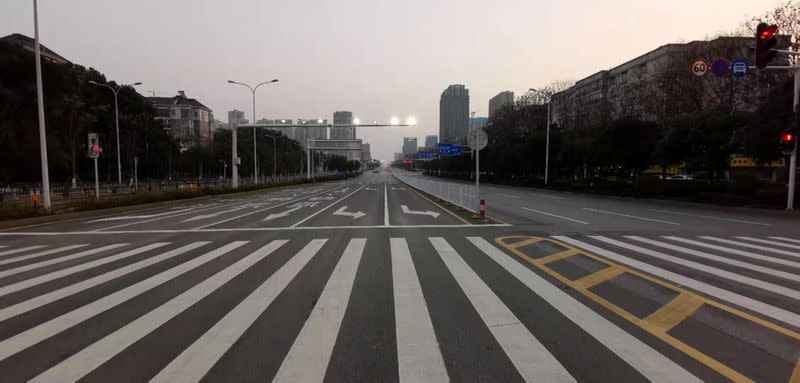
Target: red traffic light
788, 137
768, 32
96, 149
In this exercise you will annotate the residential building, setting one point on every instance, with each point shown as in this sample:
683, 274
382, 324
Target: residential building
409, 145
500, 101
343, 133
454, 114
186, 119
29, 44
477, 122
431, 141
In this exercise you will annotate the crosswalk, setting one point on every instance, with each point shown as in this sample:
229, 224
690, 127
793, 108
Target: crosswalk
560, 308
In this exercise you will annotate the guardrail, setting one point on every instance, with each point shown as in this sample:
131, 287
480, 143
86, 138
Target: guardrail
458, 194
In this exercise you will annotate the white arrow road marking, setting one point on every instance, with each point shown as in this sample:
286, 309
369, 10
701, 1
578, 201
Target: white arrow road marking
282, 214
394, 188
370, 189
427, 212
123, 217
322, 198
344, 190
280, 199
342, 211
204, 216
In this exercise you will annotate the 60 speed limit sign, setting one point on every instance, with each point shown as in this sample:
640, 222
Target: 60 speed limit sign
699, 68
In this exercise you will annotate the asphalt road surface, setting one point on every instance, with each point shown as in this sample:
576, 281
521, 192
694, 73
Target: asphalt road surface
367, 280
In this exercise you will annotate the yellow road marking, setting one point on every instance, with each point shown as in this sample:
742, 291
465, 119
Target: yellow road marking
599, 277
440, 206
525, 242
556, 257
674, 312
796, 373
659, 322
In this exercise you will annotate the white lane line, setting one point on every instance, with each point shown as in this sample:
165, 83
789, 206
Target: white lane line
326, 207
649, 362
773, 243
733, 262
528, 355
124, 217
556, 216
20, 250
82, 363
32, 336
196, 360
544, 195
40, 254
385, 206
632, 216
308, 358
751, 246
737, 299
38, 265
259, 210
743, 253
786, 239
766, 286
24, 284
508, 195
711, 217
41, 300
419, 358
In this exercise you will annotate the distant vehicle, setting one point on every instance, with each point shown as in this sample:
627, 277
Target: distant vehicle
680, 177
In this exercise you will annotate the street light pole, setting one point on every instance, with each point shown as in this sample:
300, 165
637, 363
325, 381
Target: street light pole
793, 158
40, 96
547, 139
116, 117
255, 152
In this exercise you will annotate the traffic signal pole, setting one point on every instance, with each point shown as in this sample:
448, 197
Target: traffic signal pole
793, 158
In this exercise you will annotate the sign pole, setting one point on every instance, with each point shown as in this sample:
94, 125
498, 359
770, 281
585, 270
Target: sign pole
96, 181
793, 158
478, 175
135, 173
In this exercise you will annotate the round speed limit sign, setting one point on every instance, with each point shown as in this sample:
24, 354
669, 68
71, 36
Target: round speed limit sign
699, 68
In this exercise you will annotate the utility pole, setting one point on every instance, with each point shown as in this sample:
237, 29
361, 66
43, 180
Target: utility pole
40, 96
793, 158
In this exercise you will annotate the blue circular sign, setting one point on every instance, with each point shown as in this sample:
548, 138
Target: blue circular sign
720, 68
739, 67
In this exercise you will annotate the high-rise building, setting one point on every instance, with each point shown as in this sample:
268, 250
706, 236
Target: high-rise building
454, 114
366, 155
409, 145
499, 101
431, 141
477, 122
343, 133
313, 132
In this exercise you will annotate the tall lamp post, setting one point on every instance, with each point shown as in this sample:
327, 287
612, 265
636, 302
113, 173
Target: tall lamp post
116, 116
253, 90
547, 140
40, 96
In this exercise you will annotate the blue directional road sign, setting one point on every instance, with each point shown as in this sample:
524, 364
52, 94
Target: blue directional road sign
739, 67
447, 150
720, 68
424, 155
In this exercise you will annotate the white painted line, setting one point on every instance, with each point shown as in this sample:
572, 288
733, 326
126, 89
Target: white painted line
257, 211
308, 358
196, 360
406, 210
649, 362
40, 254
419, 358
731, 251
508, 195
206, 216
737, 299
766, 286
773, 243
326, 207
41, 300
24, 284
38, 265
167, 216
711, 217
556, 216
786, 239
631, 216
528, 355
246, 229
21, 250
32, 336
751, 246
125, 217
733, 262
385, 206
342, 210
82, 363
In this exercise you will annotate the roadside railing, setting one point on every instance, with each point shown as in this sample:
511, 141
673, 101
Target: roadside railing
458, 194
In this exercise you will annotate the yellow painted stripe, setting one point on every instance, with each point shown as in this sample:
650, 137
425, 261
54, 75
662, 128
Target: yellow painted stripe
599, 277
440, 206
796, 373
674, 312
526, 242
556, 257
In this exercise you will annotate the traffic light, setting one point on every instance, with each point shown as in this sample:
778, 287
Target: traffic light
765, 42
788, 142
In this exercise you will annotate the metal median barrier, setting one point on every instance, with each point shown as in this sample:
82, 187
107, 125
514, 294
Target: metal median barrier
458, 194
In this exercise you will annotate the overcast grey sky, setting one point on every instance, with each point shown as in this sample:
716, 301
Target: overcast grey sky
376, 58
